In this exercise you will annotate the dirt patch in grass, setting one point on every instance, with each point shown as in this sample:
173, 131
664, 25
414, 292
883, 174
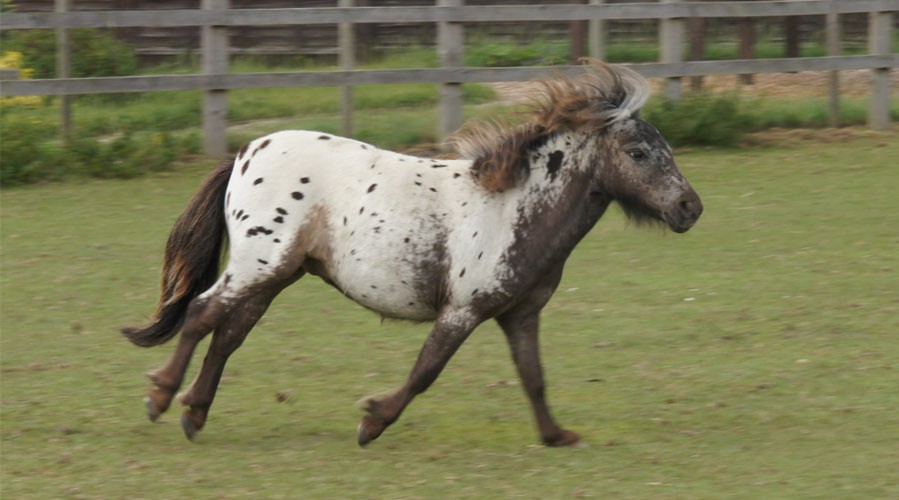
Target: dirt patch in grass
855, 83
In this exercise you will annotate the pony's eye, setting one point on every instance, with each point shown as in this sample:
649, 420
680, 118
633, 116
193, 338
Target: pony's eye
637, 154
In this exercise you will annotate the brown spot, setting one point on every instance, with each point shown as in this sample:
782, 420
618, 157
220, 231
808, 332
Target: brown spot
297, 195
371, 188
281, 211
344, 221
364, 146
243, 169
304, 180
239, 214
324, 137
245, 217
257, 181
417, 183
433, 190
242, 151
279, 219
462, 273
361, 209
438, 165
457, 175
265, 262
475, 234
406, 240
264, 144
554, 164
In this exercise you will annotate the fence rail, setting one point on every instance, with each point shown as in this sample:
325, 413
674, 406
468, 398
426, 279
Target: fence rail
435, 14
215, 17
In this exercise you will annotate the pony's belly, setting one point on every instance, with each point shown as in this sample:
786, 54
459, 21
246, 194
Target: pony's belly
390, 291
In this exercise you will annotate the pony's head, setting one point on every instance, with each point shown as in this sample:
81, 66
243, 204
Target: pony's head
633, 165
630, 161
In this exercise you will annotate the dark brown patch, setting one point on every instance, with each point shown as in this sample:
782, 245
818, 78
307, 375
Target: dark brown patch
324, 137
438, 165
457, 175
371, 188
361, 209
417, 183
344, 221
364, 146
278, 219
462, 273
554, 164
242, 151
239, 214
257, 181
433, 190
245, 166
245, 217
304, 180
297, 195
264, 144
264, 262
281, 211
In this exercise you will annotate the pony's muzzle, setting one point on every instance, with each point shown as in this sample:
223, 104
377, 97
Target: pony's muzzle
685, 213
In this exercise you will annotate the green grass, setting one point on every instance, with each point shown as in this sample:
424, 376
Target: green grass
753, 357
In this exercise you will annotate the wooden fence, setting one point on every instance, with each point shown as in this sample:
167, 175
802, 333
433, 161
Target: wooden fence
215, 17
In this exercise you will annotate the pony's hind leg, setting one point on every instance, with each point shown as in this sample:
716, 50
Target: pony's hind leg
245, 312
203, 315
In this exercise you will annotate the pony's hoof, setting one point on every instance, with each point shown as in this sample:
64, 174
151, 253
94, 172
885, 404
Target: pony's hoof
367, 431
190, 427
153, 411
564, 438
363, 437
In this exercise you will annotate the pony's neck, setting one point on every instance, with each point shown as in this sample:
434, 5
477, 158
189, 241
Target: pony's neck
555, 200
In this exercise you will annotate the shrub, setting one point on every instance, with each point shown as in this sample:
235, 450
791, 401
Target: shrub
95, 53
700, 118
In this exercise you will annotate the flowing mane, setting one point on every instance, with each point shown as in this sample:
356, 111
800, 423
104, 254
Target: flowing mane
600, 96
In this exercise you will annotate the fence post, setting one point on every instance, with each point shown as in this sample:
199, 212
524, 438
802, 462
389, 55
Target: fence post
347, 43
64, 70
834, 48
214, 41
450, 41
596, 35
671, 39
879, 26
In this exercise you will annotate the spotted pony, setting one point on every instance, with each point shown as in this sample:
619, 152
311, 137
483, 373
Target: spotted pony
455, 242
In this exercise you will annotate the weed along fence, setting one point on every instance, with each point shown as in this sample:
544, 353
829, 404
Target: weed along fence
216, 17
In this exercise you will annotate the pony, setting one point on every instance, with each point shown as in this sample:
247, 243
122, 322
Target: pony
453, 242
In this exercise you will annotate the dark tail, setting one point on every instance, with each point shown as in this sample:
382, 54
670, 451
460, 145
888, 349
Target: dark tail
192, 257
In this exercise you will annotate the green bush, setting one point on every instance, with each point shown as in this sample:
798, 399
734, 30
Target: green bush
95, 53
30, 154
700, 119
484, 53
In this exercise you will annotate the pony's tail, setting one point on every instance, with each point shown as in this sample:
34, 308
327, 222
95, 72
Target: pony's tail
191, 262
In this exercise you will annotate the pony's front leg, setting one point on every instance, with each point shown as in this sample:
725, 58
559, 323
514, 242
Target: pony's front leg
450, 331
521, 328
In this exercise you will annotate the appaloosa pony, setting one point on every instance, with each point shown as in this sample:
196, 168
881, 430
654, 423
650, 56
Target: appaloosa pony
456, 242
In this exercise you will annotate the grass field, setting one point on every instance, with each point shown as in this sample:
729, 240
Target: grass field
753, 357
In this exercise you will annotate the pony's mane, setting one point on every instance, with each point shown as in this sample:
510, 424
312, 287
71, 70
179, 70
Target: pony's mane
600, 96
